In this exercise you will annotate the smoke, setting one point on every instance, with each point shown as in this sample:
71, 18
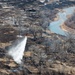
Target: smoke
16, 51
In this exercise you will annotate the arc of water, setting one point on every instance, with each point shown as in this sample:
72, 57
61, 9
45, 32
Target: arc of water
17, 51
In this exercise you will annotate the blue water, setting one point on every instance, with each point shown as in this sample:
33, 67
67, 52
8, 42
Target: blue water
55, 25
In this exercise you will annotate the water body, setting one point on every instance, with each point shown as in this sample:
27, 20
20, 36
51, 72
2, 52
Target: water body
55, 25
16, 51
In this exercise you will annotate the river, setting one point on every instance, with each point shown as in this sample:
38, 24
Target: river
62, 15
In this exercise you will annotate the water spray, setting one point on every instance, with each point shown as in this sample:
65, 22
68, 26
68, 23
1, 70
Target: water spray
16, 52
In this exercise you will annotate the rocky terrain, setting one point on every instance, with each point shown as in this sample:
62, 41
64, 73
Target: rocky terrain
69, 24
46, 53
71, 21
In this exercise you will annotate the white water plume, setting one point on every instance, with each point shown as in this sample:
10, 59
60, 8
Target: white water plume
17, 51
